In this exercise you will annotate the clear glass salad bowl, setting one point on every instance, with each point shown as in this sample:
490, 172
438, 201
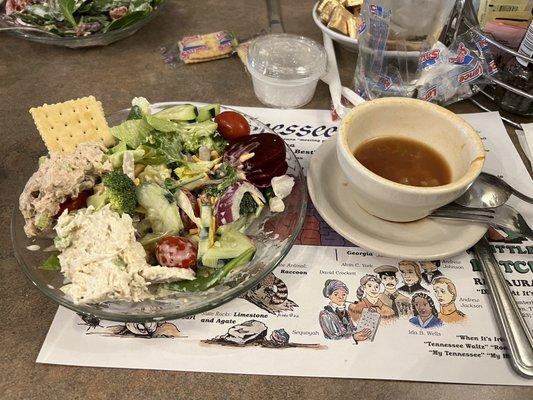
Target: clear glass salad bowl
74, 42
272, 233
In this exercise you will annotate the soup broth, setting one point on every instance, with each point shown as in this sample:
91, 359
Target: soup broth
404, 161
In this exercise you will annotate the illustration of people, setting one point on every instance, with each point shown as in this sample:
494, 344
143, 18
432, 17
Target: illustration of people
425, 313
431, 270
411, 277
400, 303
368, 295
334, 319
446, 293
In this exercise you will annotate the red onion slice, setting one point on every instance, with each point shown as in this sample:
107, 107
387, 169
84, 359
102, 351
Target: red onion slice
228, 206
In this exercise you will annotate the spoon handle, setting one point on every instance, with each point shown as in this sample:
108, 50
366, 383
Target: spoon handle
522, 196
513, 326
274, 16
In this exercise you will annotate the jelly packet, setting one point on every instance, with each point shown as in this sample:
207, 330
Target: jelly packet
449, 74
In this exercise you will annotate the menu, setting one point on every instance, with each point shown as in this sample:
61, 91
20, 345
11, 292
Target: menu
332, 309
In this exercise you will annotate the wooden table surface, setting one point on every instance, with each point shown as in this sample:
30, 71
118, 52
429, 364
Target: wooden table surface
32, 74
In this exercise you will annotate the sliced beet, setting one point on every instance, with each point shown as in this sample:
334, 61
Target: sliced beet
268, 160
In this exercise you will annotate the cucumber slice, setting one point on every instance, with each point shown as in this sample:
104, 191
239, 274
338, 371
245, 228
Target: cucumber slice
230, 245
160, 124
208, 112
183, 112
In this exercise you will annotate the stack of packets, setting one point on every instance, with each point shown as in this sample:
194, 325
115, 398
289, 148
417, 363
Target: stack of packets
341, 15
448, 74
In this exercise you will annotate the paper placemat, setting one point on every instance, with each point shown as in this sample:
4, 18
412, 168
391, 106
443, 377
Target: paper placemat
297, 322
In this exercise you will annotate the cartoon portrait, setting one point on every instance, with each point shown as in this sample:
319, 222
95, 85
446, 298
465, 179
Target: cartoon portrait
391, 297
425, 313
446, 293
368, 295
334, 319
430, 270
411, 277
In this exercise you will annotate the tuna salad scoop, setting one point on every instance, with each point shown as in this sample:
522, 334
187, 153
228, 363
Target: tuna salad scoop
59, 177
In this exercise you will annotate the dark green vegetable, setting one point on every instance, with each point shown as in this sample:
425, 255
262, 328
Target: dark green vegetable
167, 145
67, 8
268, 193
135, 113
229, 176
51, 263
202, 283
120, 192
171, 184
248, 204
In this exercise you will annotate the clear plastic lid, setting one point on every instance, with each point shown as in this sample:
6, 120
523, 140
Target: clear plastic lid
287, 57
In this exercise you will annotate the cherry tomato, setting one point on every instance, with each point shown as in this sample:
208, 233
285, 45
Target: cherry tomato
232, 125
176, 252
75, 203
187, 223
16, 5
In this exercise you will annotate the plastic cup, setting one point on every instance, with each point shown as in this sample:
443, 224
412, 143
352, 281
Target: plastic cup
285, 69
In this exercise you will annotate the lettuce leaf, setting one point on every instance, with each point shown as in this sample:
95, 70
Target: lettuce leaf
51, 263
133, 132
168, 145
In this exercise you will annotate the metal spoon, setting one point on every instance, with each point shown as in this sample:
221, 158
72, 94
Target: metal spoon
489, 191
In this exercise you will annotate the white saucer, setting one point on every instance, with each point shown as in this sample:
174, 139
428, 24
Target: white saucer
426, 239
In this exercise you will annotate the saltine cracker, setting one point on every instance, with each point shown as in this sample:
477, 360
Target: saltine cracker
63, 126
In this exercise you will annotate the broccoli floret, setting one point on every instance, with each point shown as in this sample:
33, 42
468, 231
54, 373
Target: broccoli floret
218, 144
200, 134
120, 192
248, 204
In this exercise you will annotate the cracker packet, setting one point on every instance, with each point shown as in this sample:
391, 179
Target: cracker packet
206, 47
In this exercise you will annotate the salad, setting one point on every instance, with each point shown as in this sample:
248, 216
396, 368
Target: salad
78, 17
165, 209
